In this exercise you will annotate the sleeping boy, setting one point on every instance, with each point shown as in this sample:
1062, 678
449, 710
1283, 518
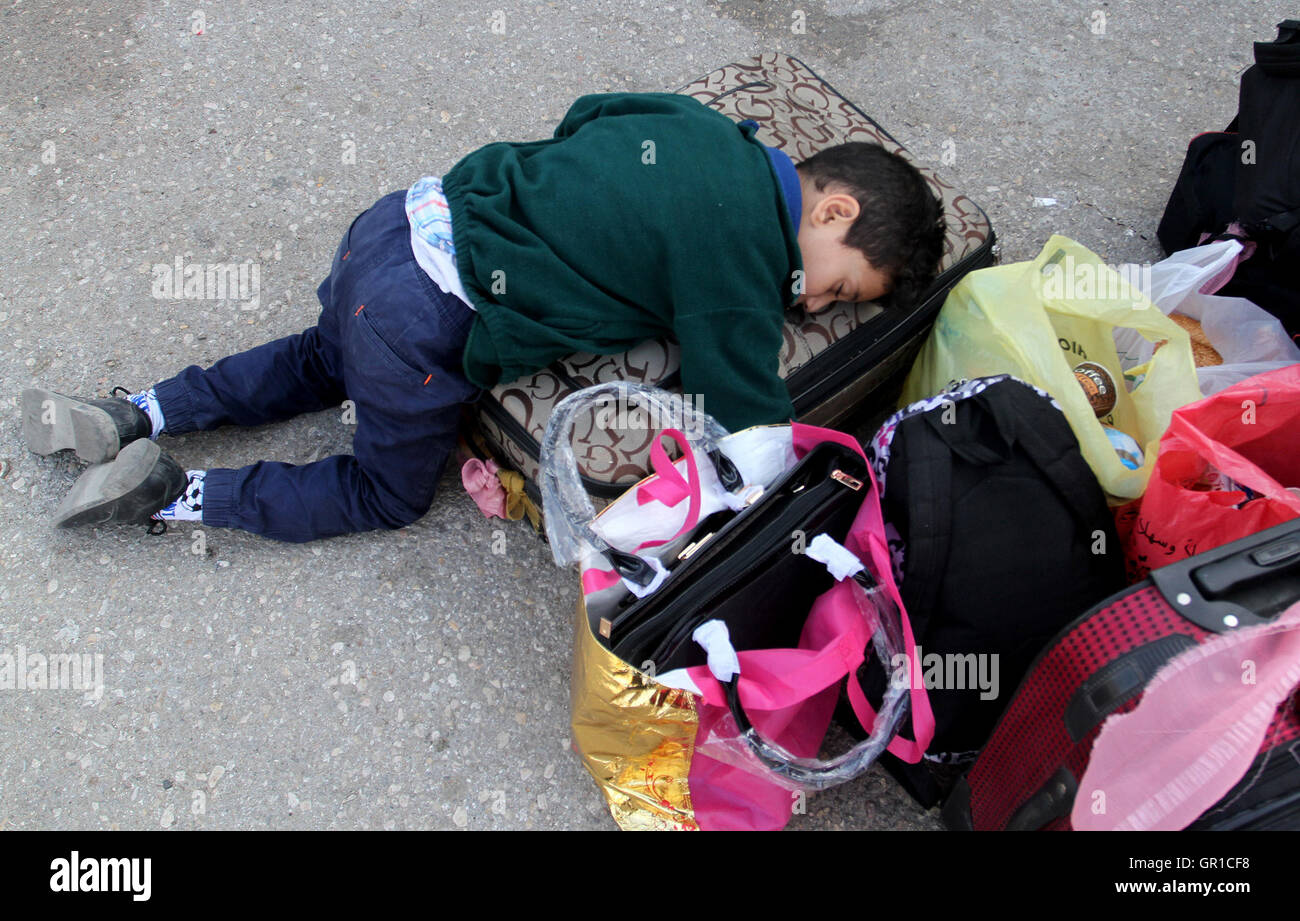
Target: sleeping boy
645, 215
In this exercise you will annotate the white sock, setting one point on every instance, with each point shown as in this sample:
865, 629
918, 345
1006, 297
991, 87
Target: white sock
189, 507
148, 401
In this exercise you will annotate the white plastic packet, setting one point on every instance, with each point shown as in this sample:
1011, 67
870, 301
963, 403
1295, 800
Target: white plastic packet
1250, 339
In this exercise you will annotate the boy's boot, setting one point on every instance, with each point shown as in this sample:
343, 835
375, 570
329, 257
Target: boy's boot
97, 429
140, 481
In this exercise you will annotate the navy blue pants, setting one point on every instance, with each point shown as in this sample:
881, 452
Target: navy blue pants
389, 340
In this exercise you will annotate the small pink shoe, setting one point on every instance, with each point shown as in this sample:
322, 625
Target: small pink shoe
484, 487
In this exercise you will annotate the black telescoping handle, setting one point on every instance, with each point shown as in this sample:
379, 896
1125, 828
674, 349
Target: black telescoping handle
1226, 575
1241, 584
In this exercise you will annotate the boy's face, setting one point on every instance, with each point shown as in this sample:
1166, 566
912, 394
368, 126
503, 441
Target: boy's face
832, 271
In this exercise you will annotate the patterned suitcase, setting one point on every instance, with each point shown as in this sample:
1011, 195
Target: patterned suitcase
1028, 774
833, 362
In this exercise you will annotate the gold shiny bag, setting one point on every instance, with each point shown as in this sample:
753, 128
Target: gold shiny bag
674, 747
634, 735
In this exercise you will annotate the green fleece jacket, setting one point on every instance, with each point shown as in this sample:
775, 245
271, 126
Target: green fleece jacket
646, 215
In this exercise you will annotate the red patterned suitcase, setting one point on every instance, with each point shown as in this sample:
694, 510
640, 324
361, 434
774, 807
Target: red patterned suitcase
1027, 775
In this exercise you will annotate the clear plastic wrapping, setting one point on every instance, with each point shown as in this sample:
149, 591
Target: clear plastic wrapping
565, 502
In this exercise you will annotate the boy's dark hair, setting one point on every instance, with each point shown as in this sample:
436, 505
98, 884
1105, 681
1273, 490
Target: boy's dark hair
900, 226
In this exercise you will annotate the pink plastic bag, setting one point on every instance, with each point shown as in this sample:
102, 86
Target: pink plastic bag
790, 694
1199, 726
787, 695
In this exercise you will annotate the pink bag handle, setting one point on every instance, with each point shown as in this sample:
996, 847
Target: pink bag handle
670, 483
773, 679
869, 526
668, 486
833, 646
908, 750
595, 580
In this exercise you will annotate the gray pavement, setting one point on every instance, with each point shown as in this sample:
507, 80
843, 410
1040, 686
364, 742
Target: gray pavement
414, 679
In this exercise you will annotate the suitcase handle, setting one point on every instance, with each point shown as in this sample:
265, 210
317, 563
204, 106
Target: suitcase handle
1241, 584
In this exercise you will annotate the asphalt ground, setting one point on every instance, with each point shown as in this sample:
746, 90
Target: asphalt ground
415, 679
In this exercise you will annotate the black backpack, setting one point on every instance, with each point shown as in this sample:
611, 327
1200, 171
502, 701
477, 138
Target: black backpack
1001, 536
1249, 174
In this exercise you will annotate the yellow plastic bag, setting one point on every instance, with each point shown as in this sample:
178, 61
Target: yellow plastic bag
1038, 321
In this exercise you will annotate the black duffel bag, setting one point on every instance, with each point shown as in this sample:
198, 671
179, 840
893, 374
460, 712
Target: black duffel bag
1244, 182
